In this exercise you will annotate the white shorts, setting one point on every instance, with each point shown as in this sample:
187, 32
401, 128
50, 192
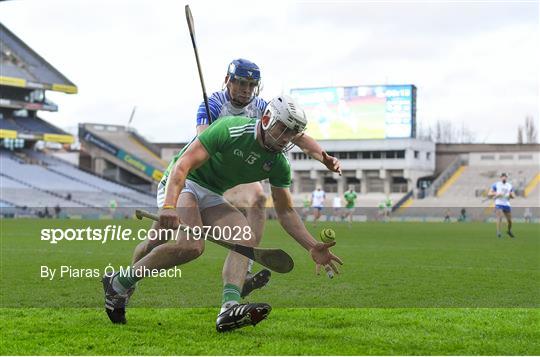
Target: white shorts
205, 198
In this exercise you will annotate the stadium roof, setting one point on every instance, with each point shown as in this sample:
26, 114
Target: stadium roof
21, 66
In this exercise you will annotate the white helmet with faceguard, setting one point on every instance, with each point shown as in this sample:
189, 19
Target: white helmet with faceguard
283, 120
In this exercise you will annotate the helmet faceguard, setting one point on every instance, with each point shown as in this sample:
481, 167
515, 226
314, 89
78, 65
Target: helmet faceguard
247, 76
282, 122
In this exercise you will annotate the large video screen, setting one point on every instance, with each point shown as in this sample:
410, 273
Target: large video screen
359, 112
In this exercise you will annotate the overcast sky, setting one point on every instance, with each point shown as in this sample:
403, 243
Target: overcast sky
472, 62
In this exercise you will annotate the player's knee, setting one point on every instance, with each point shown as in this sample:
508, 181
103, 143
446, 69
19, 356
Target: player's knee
145, 247
195, 250
259, 200
148, 245
190, 251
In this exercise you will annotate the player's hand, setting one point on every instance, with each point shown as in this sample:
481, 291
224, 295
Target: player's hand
331, 163
168, 218
322, 256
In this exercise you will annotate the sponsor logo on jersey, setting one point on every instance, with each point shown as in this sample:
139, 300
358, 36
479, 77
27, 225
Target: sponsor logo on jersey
267, 166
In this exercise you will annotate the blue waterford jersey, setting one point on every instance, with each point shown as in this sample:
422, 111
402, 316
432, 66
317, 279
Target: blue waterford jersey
220, 106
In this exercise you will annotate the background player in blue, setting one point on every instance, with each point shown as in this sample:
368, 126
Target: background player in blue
503, 191
239, 97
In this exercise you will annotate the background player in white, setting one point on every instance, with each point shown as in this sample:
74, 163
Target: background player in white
503, 191
240, 97
527, 215
317, 203
336, 206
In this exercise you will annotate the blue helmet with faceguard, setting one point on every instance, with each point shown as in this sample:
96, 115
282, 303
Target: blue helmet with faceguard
242, 68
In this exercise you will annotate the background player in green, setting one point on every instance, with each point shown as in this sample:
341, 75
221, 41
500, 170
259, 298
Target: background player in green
231, 151
381, 210
350, 201
388, 204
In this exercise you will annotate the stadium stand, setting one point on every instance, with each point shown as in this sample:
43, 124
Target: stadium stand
465, 174
24, 79
471, 187
469, 191
23, 67
45, 181
4, 204
8, 124
532, 190
128, 197
126, 141
35, 125
18, 193
35, 180
120, 154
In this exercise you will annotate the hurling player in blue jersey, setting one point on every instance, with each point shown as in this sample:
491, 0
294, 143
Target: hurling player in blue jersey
503, 191
240, 97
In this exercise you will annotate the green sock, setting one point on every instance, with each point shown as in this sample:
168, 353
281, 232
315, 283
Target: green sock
230, 293
126, 279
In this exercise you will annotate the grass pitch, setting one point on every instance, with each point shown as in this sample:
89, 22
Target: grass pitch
405, 288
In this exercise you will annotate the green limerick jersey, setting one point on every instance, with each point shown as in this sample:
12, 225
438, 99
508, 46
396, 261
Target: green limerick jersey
350, 197
236, 157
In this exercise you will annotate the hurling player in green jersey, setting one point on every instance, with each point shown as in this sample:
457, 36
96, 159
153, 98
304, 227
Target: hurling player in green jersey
240, 97
231, 151
350, 203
